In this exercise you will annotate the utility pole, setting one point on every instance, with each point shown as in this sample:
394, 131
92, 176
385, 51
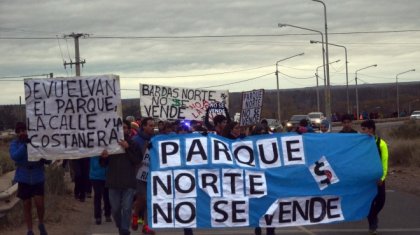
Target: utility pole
76, 37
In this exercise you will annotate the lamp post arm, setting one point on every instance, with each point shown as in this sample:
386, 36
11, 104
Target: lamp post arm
288, 58
411, 70
294, 26
277, 81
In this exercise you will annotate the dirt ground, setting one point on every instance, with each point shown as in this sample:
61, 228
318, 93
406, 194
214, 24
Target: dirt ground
405, 179
69, 217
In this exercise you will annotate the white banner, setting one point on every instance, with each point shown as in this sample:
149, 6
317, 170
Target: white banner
70, 118
166, 102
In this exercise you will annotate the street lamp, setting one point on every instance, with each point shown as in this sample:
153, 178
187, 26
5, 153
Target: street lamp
327, 67
277, 76
357, 94
323, 60
347, 72
398, 94
317, 90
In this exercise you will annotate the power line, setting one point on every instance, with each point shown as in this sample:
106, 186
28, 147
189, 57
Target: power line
219, 36
68, 53
208, 74
293, 82
246, 80
11, 80
25, 76
61, 52
296, 77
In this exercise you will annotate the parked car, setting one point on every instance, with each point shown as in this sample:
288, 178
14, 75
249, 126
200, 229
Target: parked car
415, 115
274, 125
294, 121
316, 118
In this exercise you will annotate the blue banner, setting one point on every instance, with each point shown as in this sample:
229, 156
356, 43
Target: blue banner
278, 180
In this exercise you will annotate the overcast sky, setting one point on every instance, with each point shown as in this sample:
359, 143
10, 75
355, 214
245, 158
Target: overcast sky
150, 42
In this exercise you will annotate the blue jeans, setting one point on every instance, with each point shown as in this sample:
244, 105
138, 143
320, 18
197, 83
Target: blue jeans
121, 202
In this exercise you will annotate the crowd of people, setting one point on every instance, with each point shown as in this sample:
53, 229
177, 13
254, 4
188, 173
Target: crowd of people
120, 190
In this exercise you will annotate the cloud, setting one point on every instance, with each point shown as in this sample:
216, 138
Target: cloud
167, 58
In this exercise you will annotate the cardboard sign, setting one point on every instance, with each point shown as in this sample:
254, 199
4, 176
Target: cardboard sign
165, 102
252, 102
69, 118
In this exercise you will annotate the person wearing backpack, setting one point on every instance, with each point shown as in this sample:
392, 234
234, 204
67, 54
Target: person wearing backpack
368, 127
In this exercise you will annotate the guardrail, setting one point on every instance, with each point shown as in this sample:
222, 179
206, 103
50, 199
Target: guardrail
8, 191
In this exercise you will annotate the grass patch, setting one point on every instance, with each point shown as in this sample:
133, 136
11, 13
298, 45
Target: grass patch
409, 130
6, 163
404, 153
403, 144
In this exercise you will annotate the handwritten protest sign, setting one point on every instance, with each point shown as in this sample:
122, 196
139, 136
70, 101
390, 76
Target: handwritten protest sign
165, 102
69, 118
252, 102
276, 180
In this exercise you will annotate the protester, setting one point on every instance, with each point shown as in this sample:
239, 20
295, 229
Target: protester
264, 123
97, 176
196, 126
232, 131
134, 128
183, 129
168, 128
346, 122
142, 140
219, 121
324, 127
369, 127
260, 130
161, 127
80, 168
30, 178
121, 180
304, 127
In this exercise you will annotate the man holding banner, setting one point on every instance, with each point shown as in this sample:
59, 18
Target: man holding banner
142, 140
219, 121
369, 127
121, 180
30, 178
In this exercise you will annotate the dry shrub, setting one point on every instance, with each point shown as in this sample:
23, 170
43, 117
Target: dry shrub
402, 143
6, 163
6, 139
404, 153
13, 218
409, 130
54, 180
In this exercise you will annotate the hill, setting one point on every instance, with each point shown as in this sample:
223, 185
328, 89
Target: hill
380, 98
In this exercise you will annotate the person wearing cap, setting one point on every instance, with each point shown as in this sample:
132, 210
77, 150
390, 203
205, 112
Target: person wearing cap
324, 127
30, 178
